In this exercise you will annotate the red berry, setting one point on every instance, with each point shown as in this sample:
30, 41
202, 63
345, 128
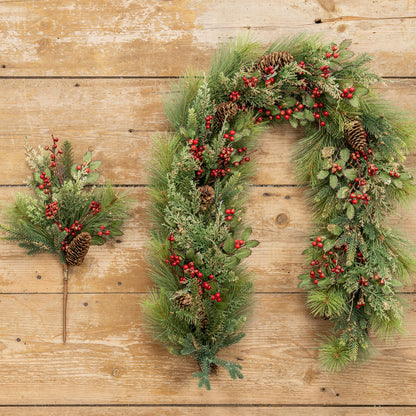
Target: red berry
322, 123
211, 276
87, 170
316, 281
41, 186
350, 95
336, 55
352, 89
334, 47
102, 227
320, 245
100, 233
232, 132
107, 232
326, 113
213, 297
328, 54
79, 167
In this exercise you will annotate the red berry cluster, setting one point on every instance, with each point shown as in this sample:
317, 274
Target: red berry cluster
335, 54
269, 70
238, 243
302, 65
196, 152
95, 207
208, 121
229, 214
336, 168
74, 228
103, 231
84, 164
190, 269
348, 93
356, 155
269, 81
363, 281
235, 96
354, 198
230, 135
250, 82
46, 183
360, 303
329, 261
394, 173
51, 210
379, 279
372, 169
325, 71
53, 151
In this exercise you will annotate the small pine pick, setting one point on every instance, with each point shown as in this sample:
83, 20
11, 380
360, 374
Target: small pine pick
78, 249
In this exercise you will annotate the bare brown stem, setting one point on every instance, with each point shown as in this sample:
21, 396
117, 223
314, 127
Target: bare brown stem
65, 301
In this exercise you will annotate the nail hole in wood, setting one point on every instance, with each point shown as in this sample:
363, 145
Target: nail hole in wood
318, 20
38, 277
85, 303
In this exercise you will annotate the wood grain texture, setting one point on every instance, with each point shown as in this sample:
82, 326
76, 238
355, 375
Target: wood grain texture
110, 359
208, 411
154, 38
117, 119
279, 216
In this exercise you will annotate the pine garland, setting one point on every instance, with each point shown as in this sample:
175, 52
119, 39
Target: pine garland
64, 215
351, 156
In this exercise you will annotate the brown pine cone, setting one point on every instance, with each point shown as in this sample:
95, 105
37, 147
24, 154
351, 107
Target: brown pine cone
78, 249
184, 300
207, 196
275, 60
227, 110
355, 135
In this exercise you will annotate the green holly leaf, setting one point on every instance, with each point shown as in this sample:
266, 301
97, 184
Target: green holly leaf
36, 177
92, 177
355, 102
344, 154
87, 157
335, 66
97, 240
397, 183
305, 283
251, 244
242, 253
350, 174
289, 102
346, 43
308, 115
309, 101
328, 244
350, 211
334, 229
246, 234
115, 232
233, 261
333, 181
322, 174
343, 192
360, 91
293, 122
229, 245
95, 165
299, 115
343, 55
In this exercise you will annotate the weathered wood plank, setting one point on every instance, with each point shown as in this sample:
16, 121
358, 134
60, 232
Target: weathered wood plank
110, 359
209, 411
280, 219
163, 38
117, 119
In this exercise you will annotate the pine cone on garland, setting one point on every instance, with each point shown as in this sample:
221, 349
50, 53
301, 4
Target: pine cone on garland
184, 300
207, 196
355, 135
225, 110
275, 59
204, 319
78, 249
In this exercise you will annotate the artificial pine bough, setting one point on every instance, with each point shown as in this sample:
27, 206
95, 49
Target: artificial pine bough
65, 214
351, 156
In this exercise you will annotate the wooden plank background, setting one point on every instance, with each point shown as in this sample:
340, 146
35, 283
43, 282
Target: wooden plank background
94, 72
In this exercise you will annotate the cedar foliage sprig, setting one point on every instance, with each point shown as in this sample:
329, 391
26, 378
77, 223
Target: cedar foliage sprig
358, 261
63, 203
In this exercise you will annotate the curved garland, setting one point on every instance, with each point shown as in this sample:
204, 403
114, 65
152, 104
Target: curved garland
351, 156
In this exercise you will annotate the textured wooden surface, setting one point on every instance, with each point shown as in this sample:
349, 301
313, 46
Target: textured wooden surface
95, 72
